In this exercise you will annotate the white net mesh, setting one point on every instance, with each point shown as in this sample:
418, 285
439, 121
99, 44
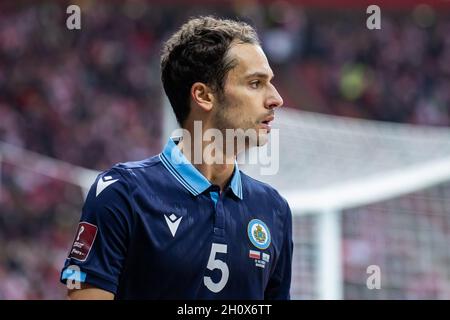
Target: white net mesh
389, 185
318, 151
305, 260
408, 238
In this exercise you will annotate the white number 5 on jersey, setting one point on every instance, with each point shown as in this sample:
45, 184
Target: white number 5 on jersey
214, 263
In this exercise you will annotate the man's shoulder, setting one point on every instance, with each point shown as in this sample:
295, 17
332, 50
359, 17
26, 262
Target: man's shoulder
120, 181
137, 165
126, 175
132, 170
257, 188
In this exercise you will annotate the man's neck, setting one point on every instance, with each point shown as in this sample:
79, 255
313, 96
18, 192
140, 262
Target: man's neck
217, 173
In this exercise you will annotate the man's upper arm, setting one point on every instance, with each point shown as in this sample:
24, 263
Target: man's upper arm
88, 292
100, 245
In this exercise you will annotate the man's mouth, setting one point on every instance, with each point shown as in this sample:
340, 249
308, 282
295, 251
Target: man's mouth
266, 122
268, 119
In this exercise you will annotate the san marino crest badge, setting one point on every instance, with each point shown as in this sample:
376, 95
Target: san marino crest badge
259, 234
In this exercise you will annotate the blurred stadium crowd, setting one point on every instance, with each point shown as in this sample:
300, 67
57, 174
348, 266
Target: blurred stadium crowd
93, 97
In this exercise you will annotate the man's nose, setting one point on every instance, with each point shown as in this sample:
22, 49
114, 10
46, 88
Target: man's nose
274, 100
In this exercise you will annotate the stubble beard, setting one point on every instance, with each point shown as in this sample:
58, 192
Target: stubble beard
227, 117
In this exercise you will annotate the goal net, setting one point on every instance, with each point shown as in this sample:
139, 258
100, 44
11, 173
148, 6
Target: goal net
365, 193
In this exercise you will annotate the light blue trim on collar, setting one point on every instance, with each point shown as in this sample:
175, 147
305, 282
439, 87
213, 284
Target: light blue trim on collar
188, 175
236, 183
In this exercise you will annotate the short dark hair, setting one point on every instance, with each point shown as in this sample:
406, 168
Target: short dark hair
197, 52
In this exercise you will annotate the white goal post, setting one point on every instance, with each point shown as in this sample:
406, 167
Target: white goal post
47, 166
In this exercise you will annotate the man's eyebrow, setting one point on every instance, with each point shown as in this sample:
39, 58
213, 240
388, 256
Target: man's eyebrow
260, 75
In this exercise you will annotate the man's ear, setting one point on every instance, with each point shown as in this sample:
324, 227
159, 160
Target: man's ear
202, 95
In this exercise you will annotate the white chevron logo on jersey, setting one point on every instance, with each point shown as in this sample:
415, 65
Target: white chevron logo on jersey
103, 183
173, 222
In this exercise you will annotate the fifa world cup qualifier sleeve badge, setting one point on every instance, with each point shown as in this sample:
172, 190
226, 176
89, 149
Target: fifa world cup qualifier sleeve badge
83, 242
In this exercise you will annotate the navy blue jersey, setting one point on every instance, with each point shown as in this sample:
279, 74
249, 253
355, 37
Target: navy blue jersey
158, 229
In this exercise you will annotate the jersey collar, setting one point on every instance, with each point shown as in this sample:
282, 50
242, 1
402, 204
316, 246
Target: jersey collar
188, 175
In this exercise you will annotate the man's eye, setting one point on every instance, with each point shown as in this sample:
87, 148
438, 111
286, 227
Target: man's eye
255, 84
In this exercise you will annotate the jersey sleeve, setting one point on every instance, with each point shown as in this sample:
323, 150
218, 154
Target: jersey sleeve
279, 285
100, 246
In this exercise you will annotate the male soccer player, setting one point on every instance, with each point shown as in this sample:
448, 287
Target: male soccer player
169, 227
